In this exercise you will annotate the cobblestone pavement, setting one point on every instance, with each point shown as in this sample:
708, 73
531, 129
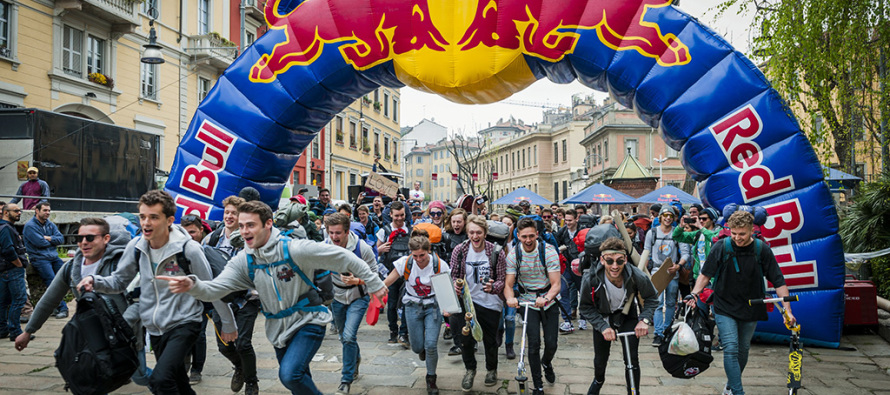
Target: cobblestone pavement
388, 369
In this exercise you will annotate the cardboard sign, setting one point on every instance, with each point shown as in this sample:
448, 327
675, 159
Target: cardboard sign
382, 184
662, 276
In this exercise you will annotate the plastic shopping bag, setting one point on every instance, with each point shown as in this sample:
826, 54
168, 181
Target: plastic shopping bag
683, 342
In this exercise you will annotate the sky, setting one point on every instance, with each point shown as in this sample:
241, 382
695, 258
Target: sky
466, 119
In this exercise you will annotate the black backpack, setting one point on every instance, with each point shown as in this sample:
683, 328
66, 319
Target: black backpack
97, 354
596, 236
689, 366
217, 260
399, 247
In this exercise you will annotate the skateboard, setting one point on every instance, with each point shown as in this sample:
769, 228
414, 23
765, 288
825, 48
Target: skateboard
472, 326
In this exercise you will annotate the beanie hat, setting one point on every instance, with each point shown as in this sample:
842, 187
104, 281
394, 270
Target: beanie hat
437, 204
711, 212
655, 207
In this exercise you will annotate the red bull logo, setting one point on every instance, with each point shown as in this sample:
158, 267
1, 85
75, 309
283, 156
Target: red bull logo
667, 197
457, 47
603, 197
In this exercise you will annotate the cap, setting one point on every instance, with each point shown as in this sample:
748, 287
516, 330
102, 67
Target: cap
329, 211
249, 194
655, 207
416, 211
298, 198
667, 210
34, 169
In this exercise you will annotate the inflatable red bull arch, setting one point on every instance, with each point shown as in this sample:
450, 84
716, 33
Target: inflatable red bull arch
735, 134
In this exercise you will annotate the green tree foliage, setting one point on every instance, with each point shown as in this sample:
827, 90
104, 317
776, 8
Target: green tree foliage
828, 58
865, 225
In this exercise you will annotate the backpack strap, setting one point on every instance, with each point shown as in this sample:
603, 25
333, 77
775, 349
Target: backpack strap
183, 261
304, 303
409, 263
215, 236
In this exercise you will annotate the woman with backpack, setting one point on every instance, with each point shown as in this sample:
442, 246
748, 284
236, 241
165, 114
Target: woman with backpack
481, 266
609, 292
421, 308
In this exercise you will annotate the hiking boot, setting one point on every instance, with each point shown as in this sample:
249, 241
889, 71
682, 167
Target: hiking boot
253, 388
582, 325
454, 350
467, 383
510, 353
62, 315
566, 328
237, 380
549, 374
595, 387
657, 341
194, 378
491, 378
446, 334
431, 387
343, 389
393, 338
403, 340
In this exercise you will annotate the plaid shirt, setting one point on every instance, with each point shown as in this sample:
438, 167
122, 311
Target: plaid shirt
459, 270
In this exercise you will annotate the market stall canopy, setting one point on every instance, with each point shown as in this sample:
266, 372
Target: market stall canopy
666, 194
599, 193
838, 180
522, 194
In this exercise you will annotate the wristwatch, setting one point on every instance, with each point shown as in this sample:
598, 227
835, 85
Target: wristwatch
646, 321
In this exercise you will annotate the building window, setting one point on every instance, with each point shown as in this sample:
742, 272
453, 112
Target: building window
565, 151
386, 146
395, 151
565, 189
529, 149
631, 145
338, 129
419, 172
149, 81
385, 104
352, 178
555, 152
315, 147
536, 155
435, 168
95, 55
249, 39
395, 110
513, 161
5, 30
555, 191
419, 159
352, 131
203, 16
606, 150
376, 142
148, 5
72, 51
523, 159
366, 140
377, 96
671, 153
203, 88
296, 177
599, 154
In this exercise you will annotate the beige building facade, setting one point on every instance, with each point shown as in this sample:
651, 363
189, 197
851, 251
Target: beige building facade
366, 130
82, 58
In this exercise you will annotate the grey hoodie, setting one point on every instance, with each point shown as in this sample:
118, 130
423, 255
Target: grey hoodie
160, 309
60, 285
279, 289
347, 294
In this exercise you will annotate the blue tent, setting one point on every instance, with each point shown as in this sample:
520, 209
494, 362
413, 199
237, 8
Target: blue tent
522, 194
600, 193
838, 180
666, 194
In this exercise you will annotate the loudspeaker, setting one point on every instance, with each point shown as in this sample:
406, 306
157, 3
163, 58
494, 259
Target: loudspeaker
353, 190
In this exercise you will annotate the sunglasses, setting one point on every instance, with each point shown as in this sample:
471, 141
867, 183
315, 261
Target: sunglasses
436, 213
90, 238
705, 218
547, 217
619, 262
15, 211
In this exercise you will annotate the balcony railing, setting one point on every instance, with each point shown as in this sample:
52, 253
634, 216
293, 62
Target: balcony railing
213, 49
123, 14
254, 9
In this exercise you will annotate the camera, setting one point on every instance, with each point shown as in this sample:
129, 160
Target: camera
480, 200
689, 220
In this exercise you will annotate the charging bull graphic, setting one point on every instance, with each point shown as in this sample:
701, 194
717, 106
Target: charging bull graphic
707, 100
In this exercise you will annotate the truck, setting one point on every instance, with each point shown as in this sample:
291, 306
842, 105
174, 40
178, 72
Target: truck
92, 168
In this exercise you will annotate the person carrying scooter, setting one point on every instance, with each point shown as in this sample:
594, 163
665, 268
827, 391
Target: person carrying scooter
534, 266
610, 302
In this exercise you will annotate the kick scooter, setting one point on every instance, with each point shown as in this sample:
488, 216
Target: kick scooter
631, 385
521, 378
795, 352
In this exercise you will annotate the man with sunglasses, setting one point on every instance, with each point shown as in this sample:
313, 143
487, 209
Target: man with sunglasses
437, 213
13, 260
98, 252
41, 239
610, 300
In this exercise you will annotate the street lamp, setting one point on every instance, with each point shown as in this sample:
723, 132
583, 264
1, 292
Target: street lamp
660, 159
152, 53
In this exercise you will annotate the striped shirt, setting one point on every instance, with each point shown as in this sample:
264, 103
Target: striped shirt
530, 273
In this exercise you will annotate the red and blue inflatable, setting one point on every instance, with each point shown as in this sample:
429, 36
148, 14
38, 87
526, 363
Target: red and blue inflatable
736, 134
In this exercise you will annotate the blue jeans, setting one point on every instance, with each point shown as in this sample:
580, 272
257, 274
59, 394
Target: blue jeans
667, 304
509, 323
293, 360
424, 322
571, 284
735, 336
47, 270
347, 318
143, 373
12, 298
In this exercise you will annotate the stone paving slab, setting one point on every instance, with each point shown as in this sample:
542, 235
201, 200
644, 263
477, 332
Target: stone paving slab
861, 367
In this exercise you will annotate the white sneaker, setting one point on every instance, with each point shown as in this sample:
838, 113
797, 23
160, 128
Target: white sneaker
727, 390
582, 325
566, 327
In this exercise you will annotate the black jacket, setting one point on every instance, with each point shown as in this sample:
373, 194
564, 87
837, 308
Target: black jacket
564, 238
597, 310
